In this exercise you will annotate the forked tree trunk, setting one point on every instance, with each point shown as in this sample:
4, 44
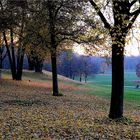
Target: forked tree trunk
13, 71
54, 73
16, 69
116, 107
123, 22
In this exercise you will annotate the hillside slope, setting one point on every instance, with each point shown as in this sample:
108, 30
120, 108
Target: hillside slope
29, 111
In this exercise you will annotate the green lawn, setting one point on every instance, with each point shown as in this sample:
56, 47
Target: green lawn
105, 79
101, 85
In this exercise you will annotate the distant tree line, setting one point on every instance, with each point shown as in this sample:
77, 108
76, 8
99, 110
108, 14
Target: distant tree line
70, 64
75, 66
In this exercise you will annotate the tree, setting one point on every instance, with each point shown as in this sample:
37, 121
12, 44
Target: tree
83, 66
57, 24
13, 20
88, 67
3, 53
138, 70
36, 56
123, 18
30, 58
73, 65
65, 63
53, 23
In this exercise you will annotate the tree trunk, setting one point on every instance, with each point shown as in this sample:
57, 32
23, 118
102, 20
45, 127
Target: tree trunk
16, 70
53, 50
30, 64
0, 64
20, 67
116, 106
0, 60
13, 55
13, 70
85, 78
70, 71
73, 77
38, 64
54, 73
80, 78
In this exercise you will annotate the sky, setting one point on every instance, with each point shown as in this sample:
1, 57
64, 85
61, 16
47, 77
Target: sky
132, 45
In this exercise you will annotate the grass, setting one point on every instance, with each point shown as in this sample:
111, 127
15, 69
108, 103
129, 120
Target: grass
101, 84
105, 79
130, 94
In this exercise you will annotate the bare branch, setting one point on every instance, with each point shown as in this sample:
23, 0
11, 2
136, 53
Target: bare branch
133, 2
106, 24
135, 12
133, 20
57, 10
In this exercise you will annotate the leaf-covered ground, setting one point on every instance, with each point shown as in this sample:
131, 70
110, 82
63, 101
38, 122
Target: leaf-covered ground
28, 111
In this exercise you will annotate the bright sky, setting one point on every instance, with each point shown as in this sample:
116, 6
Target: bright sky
78, 49
132, 49
131, 46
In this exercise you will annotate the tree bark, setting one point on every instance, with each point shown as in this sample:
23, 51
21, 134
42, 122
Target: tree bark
38, 64
85, 78
13, 71
80, 77
116, 106
16, 70
13, 55
53, 49
0, 63
30, 63
54, 72
20, 67
73, 77
0, 59
123, 22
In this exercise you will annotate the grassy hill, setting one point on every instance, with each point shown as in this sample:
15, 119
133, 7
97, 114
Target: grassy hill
28, 111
